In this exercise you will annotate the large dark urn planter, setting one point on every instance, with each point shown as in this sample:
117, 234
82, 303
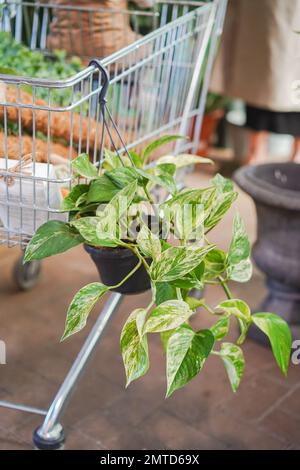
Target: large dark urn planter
113, 264
275, 189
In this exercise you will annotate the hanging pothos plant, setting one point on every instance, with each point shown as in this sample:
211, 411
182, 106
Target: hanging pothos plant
178, 257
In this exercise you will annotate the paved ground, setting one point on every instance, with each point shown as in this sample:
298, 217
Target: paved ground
264, 414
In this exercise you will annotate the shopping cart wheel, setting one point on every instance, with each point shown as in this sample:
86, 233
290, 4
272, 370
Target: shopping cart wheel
26, 275
53, 442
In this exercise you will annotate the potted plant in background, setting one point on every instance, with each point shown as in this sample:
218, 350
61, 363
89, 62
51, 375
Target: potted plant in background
108, 214
214, 113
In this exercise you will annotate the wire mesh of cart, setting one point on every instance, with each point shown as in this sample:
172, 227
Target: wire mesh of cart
158, 85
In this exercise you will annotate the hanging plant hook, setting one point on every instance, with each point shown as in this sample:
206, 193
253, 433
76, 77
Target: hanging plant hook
105, 78
102, 101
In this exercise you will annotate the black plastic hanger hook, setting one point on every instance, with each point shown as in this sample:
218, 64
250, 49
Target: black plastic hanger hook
105, 80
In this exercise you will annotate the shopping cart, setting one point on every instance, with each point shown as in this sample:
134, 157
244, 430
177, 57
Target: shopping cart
158, 85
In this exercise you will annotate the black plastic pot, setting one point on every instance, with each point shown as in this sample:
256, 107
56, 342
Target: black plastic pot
114, 264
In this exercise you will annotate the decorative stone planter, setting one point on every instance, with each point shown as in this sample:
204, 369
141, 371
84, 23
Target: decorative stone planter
275, 189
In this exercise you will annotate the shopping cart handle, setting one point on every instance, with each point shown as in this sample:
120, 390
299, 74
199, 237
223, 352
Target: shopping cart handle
105, 79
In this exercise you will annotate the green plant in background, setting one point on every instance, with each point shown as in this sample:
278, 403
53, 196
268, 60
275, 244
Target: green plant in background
17, 59
215, 102
175, 270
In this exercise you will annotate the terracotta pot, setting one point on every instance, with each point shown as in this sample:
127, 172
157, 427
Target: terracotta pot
209, 127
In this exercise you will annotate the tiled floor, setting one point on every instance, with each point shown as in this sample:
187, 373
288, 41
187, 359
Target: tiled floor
264, 414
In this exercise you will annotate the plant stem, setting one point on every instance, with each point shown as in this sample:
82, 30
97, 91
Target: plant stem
207, 307
141, 258
128, 275
225, 287
150, 305
216, 353
178, 292
135, 250
149, 197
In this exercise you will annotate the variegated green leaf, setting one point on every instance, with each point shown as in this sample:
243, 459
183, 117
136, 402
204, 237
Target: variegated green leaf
165, 336
112, 160
221, 328
86, 210
102, 190
134, 349
123, 176
204, 197
239, 249
165, 180
234, 362
224, 197
148, 243
182, 160
186, 354
240, 272
176, 262
222, 184
167, 316
239, 266
241, 311
87, 227
187, 210
84, 167
149, 149
279, 334
188, 220
164, 291
108, 229
136, 158
163, 168
70, 202
235, 307
187, 282
140, 318
215, 264
222, 203
120, 202
81, 201
51, 238
81, 306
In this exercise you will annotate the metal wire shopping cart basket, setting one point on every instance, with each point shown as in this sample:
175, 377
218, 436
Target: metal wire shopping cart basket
158, 85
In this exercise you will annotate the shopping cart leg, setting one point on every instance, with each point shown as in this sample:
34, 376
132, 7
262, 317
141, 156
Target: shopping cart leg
50, 435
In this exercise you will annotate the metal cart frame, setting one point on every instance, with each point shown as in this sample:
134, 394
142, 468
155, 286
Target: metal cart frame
173, 60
